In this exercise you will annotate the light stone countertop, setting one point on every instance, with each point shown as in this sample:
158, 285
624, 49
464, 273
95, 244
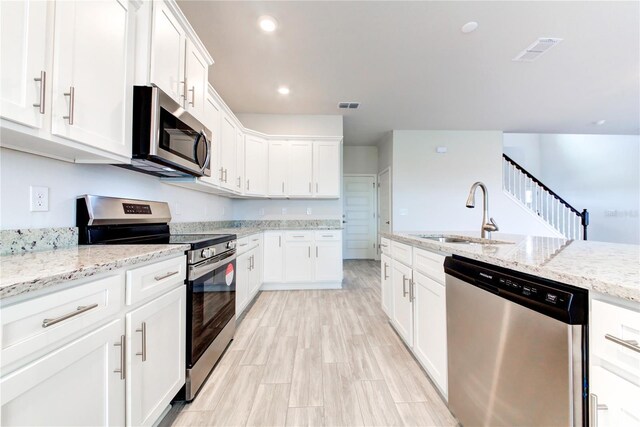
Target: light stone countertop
607, 268
32, 271
241, 232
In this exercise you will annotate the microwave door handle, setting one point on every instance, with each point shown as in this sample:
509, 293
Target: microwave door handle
202, 137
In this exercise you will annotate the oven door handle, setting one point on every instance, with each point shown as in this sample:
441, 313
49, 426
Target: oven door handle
198, 270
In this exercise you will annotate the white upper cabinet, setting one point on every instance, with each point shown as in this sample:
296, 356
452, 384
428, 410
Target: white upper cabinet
326, 168
213, 114
278, 168
300, 168
168, 44
228, 153
239, 185
92, 73
24, 75
255, 166
197, 82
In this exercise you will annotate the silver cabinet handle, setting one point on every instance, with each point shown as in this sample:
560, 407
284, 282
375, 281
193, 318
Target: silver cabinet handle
43, 84
309, 187
279, 241
630, 344
226, 175
242, 244
193, 96
221, 174
248, 184
386, 276
239, 182
316, 187
594, 407
123, 349
164, 276
411, 295
81, 309
404, 288
283, 187
309, 251
143, 330
316, 252
297, 236
383, 245
72, 101
327, 235
184, 89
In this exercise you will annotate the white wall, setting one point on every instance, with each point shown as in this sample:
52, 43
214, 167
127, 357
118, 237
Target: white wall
524, 149
290, 124
360, 159
430, 189
385, 152
66, 181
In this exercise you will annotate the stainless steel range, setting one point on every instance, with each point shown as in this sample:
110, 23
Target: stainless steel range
211, 278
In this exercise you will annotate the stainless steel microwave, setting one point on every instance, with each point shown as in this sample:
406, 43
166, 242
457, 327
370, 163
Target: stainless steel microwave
167, 140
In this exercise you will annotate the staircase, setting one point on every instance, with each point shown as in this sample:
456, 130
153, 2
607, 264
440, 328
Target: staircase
540, 200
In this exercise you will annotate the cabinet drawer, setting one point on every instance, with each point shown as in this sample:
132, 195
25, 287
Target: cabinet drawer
299, 236
155, 279
255, 240
243, 245
617, 399
385, 246
615, 322
328, 235
401, 252
429, 263
32, 325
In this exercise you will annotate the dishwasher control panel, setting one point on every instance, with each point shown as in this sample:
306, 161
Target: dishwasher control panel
532, 291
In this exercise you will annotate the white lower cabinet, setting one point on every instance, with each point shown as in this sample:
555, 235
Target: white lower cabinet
614, 400
77, 384
273, 266
401, 277
243, 264
298, 261
386, 293
430, 327
328, 259
155, 356
249, 271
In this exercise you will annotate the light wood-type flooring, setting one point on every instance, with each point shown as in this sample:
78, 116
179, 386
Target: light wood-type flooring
317, 358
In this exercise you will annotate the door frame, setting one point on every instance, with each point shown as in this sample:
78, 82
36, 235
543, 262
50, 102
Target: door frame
375, 210
383, 171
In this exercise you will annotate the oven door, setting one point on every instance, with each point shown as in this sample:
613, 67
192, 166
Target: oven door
180, 139
211, 303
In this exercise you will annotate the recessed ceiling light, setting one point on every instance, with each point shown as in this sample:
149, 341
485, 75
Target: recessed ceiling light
599, 122
268, 24
283, 90
469, 27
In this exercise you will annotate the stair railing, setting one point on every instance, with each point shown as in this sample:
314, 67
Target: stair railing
543, 201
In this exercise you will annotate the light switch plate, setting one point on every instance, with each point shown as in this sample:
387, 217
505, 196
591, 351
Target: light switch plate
39, 197
308, 211
284, 211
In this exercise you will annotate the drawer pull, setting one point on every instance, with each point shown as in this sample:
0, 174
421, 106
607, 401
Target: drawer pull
164, 276
81, 309
143, 330
243, 244
123, 351
386, 276
630, 344
327, 235
404, 286
297, 237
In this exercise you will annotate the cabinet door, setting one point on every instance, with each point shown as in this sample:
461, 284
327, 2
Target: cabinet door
227, 152
256, 161
92, 74
257, 269
168, 43
326, 168
298, 262
300, 168
402, 305
430, 328
273, 256
278, 168
328, 261
617, 399
386, 293
197, 82
239, 184
155, 356
23, 39
74, 385
243, 265
213, 115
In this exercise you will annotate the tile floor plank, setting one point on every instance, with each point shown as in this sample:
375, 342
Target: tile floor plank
341, 407
305, 417
377, 405
306, 381
270, 406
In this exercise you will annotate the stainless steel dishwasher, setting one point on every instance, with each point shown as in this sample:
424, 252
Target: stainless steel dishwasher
517, 347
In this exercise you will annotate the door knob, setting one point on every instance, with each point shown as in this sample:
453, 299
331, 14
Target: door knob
387, 222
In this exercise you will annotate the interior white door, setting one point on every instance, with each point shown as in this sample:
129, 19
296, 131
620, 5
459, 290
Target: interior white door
384, 202
359, 213
386, 291
74, 385
156, 356
273, 256
326, 168
300, 168
278, 168
402, 305
92, 74
168, 43
24, 74
197, 78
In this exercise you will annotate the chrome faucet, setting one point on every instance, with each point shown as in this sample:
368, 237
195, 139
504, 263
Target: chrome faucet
487, 226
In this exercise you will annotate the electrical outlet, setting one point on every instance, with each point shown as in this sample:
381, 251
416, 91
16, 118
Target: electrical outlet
308, 211
39, 199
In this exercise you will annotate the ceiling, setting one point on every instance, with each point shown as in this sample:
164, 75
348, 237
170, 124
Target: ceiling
411, 67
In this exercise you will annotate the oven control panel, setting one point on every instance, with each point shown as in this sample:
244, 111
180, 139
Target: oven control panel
136, 209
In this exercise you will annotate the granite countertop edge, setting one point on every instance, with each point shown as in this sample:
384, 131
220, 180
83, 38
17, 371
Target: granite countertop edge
607, 287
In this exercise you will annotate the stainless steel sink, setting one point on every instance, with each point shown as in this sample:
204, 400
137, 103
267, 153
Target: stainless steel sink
442, 238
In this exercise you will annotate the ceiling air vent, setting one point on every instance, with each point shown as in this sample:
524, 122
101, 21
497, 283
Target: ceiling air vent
534, 51
348, 105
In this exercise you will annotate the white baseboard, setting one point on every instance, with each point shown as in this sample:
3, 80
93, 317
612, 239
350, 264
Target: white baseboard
299, 286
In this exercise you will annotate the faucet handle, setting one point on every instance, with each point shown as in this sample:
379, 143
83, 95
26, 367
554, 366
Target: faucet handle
491, 225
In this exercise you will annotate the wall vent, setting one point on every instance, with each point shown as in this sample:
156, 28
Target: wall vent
539, 47
348, 105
